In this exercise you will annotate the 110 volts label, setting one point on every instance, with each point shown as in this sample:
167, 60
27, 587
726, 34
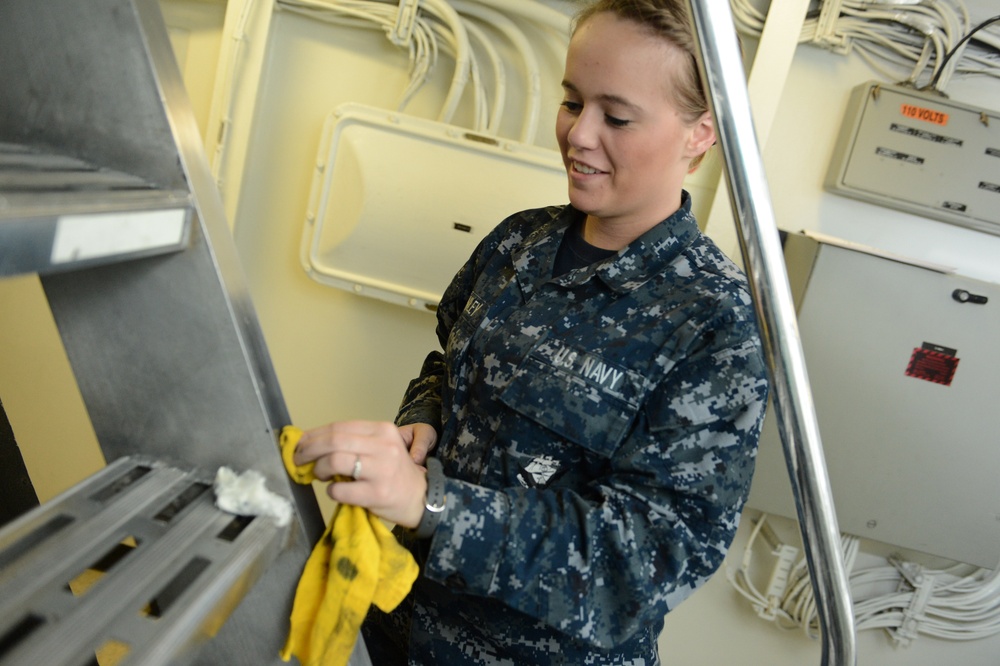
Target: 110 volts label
927, 115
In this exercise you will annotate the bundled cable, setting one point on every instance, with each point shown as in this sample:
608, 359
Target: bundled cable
525, 51
905, 41
959, 48
424, 37
426, 27
903, 598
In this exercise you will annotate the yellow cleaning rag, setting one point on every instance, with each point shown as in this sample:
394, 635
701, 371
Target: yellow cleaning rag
357, 562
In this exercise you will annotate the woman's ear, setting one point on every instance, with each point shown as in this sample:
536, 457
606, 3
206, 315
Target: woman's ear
701, 136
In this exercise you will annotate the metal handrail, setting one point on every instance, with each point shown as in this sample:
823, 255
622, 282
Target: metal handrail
722, 71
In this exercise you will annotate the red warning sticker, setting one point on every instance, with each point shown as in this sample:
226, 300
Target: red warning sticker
933, 363
927, 115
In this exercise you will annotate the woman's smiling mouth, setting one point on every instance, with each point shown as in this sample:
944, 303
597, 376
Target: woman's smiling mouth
580, 167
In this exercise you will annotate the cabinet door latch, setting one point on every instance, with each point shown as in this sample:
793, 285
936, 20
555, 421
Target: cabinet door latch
962, 296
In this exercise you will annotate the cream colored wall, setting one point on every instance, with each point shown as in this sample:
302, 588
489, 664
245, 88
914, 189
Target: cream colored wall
337, 355
39, 392
195, 28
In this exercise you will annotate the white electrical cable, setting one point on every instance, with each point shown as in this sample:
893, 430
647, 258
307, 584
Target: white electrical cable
427, 28
949, 67
491, 126
429, 36
534, 11
450, 33
904, 599
444, 12
423, 46
423, 52
903, 40
532, 73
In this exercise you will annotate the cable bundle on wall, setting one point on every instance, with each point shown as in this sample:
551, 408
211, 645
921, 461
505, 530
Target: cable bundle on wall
917, 43
426, 27
903, 598
430, 25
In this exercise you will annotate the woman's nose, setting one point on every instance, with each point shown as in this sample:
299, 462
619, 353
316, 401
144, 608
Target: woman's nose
583, 131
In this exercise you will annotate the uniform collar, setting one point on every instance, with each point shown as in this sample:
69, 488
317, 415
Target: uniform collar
634, 264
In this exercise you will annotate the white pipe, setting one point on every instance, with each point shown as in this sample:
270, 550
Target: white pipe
533, 11
450, 17
492, 125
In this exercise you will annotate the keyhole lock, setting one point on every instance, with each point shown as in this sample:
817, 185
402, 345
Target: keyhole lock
962, 296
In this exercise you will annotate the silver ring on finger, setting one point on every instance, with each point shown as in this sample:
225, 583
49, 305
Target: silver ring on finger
356, 472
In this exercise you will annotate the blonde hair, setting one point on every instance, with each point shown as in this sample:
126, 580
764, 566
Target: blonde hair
669, 20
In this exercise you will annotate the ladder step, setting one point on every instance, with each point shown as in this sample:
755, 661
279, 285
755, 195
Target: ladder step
135, 563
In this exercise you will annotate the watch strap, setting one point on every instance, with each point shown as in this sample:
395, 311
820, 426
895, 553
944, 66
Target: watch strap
435, 501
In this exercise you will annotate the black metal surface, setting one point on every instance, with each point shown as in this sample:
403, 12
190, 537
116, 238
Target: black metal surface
17, 494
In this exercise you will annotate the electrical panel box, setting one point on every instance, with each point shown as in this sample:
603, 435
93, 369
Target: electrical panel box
902, 360
922, 153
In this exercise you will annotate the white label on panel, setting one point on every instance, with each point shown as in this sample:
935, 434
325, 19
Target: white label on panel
80, 237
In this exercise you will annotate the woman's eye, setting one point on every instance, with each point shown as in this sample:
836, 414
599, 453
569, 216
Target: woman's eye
572, 107
616, 122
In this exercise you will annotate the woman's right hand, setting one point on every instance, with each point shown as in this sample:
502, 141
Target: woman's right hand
420, 439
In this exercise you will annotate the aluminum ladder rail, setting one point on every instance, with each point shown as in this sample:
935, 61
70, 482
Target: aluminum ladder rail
722, 71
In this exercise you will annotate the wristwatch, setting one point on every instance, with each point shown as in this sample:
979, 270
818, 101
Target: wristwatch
435, 502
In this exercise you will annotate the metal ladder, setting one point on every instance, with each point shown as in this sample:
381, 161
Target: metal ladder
106, 194
722, 71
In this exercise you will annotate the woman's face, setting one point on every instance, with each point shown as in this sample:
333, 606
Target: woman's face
625, 146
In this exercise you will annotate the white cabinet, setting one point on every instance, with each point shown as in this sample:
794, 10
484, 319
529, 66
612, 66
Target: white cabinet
904, 365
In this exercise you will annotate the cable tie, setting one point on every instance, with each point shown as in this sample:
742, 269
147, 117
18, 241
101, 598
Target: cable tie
924, 26
826, 27
406, 18
922, 583
911, 572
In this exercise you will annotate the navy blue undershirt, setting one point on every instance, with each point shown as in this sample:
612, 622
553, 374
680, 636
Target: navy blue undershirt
574, 252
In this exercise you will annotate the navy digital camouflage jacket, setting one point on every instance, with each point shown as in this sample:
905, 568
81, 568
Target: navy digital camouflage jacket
598, 432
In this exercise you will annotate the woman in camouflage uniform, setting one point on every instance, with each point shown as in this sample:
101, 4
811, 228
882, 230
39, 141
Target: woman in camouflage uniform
592, 418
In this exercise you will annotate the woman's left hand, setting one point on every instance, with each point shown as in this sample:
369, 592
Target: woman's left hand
385, 480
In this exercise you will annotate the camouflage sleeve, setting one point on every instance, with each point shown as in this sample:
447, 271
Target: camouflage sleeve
602, 561
422, 400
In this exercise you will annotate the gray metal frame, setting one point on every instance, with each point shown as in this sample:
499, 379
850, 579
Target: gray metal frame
164, 341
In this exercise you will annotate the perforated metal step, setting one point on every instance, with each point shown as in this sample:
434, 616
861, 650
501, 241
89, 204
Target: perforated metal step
134, 566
